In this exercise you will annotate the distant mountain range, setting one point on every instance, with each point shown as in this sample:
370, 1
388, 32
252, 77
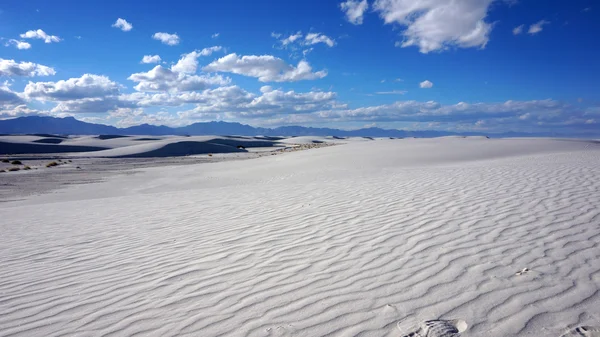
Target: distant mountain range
72, 126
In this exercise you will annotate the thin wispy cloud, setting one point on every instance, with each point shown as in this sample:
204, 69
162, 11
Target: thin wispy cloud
537, 27
518, 30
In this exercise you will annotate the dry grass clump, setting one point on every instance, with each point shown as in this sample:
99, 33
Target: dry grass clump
13, 169
52, 164
26, 168
16, 162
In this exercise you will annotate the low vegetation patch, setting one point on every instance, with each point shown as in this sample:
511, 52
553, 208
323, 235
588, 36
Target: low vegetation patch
16, 162
13, 169
52, 164
5, 161
26, 168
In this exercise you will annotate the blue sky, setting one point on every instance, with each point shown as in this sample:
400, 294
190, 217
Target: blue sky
478, 65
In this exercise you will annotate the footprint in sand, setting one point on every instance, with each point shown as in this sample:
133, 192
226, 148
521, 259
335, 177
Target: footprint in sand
437, 328
587, 331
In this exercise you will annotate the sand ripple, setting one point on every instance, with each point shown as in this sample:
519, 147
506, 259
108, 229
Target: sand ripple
332, 255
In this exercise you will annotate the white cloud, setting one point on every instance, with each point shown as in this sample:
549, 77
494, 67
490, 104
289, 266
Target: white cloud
518, 30
235, 102
208, 51
18, 44
86, 86
92, 105
291, 39
434, 25
215, 35
188, 63
40, 34
7, 96
170, 80
17, 110
393, 92
354, 10
123, 25
411, 111
298, 39
11, 68
151, 59
426, 84
166, 38
266, 68
314, 38
537, 27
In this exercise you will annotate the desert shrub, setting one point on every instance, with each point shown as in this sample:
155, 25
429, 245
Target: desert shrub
5, 161
13, 169
16, 162
52, 164
210, 154
26, 168
70, 161
1, 171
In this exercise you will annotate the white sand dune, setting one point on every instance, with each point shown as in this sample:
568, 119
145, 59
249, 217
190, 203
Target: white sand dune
107, 146
412, 237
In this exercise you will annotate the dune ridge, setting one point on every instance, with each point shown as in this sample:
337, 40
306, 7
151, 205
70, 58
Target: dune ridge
365, 239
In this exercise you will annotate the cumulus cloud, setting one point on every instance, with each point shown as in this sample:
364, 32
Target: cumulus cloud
93, 105
518, 30
151, 59
189, 62
18, 44
528, 116
10, 68
166, 38
433, 25
169, 80
7, 96
123, 25
40, 34
84, 87
266, 68
537, 27
235, 102
426, 84
17, 110
354, 10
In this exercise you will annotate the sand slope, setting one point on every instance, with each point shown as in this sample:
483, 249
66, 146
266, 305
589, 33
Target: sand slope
373, 238
114, 146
